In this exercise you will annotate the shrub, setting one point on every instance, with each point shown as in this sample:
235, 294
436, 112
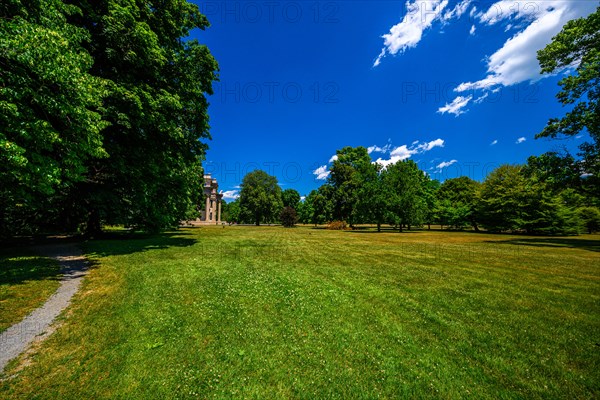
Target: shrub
288, 217
337, 225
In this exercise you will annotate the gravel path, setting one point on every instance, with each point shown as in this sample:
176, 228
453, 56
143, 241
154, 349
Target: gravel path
36, 326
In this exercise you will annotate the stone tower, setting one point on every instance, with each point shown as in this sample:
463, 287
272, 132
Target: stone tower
212, 210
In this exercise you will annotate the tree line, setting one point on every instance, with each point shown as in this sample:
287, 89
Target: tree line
103, 114
544, 196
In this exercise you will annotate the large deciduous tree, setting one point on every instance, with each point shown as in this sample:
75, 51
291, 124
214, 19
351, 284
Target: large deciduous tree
290, 198
405, 182
578, 44
510, 201
260, 197
49, 120
458, 202
156, 107
347, 176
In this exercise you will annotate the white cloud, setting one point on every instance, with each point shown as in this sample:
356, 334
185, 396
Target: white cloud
456, 107
333, 158
520, 140
516, 61
457, 11
481, 99
445, 164
472, 30
230, 194
473, 11
322, 172
430, 145
404, 152
494, 142
378, 149
302, 198
419, 16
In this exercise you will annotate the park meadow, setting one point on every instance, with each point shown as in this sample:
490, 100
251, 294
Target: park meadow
270, 312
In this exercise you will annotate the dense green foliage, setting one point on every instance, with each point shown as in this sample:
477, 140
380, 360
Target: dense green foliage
578, 42
260, 198
50, 126
458, 202
290, 198
102, 109
546, 196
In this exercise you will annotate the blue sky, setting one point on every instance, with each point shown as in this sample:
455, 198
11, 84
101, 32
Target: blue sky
452, 84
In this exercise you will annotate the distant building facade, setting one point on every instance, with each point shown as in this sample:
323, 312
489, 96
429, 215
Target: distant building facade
212, 210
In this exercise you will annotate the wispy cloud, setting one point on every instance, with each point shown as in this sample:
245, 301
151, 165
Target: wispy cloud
377, 149
457, 106
520, 140
457, 11
403, 152
406, 34
333, 158
445, 164
495, 142
472, 30
321, 173
230, 194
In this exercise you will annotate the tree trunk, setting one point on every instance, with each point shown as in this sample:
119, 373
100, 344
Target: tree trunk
93, 227
378, 227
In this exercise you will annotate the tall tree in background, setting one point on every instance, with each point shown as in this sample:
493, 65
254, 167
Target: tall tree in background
458, 200
260, 197
373, 196
290, 198
510, 201
578, 43
406, 187
502, 203
49, 124
156, 107
322, 204
346, 178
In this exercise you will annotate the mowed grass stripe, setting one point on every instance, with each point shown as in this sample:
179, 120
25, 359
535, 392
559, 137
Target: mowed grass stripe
305, 313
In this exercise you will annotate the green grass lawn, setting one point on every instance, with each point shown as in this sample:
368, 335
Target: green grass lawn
26, 281
245, 312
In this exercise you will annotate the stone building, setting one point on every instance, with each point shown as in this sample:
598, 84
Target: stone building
212, 210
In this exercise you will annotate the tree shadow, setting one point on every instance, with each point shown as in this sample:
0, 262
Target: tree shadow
123, 243
21, 265
25, 260
573, 243
384, 230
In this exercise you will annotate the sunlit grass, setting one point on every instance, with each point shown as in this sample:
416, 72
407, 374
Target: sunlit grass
270, 312
26, 282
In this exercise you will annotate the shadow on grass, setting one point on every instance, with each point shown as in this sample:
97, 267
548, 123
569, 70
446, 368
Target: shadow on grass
117, 243
584, 244
388, 230
18, 266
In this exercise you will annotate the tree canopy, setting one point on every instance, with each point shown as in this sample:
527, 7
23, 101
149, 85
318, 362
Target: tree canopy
578, 43
260, 197
104, 119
